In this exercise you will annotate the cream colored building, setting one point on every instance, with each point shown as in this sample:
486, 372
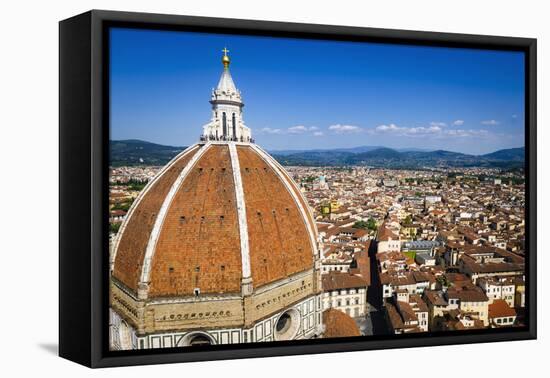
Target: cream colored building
470, 301
495, 288
345, 292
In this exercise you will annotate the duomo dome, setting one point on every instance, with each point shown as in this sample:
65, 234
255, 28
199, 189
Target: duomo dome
220, 247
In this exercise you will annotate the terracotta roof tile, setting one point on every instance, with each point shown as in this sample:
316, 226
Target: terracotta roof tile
199, 245
278, 237
135, 236
338, 324
500, 309
336, 280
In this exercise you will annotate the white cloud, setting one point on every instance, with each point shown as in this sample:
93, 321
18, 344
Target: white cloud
318, 133
344, 129
299, 129
410, 131
428, 132
458, 122
390, 127
269, 130
467, 133
490, 122
425, 130
438, 124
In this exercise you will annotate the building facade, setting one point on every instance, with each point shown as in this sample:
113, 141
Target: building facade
345, 292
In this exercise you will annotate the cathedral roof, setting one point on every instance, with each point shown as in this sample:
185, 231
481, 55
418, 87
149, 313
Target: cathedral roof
223, 217
339, 324
226, 84
218, 213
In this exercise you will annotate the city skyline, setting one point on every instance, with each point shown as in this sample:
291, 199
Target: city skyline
253, 247
304, 94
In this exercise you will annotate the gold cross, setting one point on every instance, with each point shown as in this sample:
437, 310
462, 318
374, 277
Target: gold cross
225, 51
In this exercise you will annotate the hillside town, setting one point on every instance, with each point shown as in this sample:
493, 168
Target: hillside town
403, 251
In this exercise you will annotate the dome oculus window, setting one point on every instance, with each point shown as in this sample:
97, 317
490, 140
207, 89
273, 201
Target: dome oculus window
287, 325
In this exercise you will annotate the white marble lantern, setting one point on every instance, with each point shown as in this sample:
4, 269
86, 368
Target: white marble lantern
227, 110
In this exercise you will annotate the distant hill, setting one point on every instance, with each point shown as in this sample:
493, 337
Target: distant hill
382, 153
355, 150
390, 158
510, 154
137, 152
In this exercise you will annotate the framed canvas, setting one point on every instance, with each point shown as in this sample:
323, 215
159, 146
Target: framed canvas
377, 191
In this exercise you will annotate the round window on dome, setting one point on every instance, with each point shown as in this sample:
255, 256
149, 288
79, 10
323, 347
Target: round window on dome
199, 340
283, 324
196, 339
287, 325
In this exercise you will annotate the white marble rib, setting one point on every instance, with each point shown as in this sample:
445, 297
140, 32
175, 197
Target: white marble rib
142, 195
241, 210
278, 170
153, 238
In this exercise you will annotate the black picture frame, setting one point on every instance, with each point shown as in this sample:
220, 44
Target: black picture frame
83, 181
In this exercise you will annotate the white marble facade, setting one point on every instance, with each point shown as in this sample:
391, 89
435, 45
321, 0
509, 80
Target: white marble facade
301, 321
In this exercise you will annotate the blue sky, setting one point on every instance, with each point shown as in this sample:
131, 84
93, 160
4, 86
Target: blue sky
305, 94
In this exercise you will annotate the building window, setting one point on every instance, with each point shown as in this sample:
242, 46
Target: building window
283, 324
224, 123
199, 340
287, 325
196, 339
234, 127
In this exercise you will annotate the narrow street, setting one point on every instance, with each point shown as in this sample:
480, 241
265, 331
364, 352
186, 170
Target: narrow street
376, 316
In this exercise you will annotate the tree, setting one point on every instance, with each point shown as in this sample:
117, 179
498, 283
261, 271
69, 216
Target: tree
361, 224
114, 227
136, 185
443, 281
371, 224
408, 220
123, 205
